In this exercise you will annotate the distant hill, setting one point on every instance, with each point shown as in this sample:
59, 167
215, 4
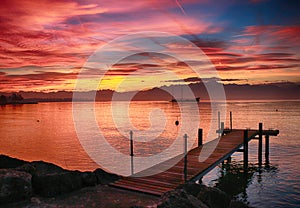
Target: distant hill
284, 90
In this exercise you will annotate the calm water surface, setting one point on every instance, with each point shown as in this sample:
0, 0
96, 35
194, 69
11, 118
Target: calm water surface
46, 132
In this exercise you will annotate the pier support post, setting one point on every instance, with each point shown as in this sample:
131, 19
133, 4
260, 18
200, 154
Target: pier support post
200, 137
222, 128
267, 145
219, 123
246, 150
230, 121
260, 129
185, 158
219, 119
131, 152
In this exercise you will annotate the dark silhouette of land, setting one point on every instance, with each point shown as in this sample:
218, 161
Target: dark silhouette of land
15, 99
272, 91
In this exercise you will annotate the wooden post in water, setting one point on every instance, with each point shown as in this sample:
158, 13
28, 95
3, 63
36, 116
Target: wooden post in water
246, 150
185, 158
131, 152
219, 120
267, 149
200, 137
230, 121
260, 129
222, 128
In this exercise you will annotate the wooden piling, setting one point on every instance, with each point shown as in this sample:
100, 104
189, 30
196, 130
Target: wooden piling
219, 120
260, 135
185, 158
131, 152
200, 137
246, 149
222, 128
230, 121
267, 145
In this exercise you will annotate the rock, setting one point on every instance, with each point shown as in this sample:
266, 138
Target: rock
213, 197
89, 178
42, 167
196, 202
14, 186
51, 180
237, 204
53, 184
104, 177
35, 200
28, 168
9, 162
179, 198
191, 188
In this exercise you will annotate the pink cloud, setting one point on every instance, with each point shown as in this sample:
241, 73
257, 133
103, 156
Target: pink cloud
34, 81
36, 32
269, 36
36, 15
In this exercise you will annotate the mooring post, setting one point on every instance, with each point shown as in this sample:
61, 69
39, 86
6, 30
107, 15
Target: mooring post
200, 137
246, 150
260, 129
219, 120
185, 158
230, 121
131, 152
222, 128
267, 149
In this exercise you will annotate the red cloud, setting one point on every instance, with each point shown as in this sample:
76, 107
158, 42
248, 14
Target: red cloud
33, 81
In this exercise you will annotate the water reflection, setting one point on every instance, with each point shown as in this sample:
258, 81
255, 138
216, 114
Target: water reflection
235, 181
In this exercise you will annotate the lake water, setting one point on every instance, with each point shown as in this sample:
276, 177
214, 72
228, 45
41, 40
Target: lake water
47, 132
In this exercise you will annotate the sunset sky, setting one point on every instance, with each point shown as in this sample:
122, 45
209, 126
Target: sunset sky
44, 44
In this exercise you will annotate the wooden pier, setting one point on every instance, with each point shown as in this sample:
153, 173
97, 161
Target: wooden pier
190, 169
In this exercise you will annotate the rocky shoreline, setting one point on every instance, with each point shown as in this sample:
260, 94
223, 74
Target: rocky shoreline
42, 184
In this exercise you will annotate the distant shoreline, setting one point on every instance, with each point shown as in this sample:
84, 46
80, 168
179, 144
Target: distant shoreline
36, 101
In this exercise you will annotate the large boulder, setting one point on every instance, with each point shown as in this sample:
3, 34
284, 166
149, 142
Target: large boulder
52, 184
9, 162
192, 188
104, 177
89, 178
51, 180
14, 186
180, 199
27, 167
238, 204
42, 168
213, 197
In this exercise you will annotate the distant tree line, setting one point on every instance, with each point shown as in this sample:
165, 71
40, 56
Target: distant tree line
14, 98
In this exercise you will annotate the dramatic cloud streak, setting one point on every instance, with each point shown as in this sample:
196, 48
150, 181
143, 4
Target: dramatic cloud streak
43, 44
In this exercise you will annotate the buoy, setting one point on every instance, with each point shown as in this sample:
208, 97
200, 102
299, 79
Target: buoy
177, 123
